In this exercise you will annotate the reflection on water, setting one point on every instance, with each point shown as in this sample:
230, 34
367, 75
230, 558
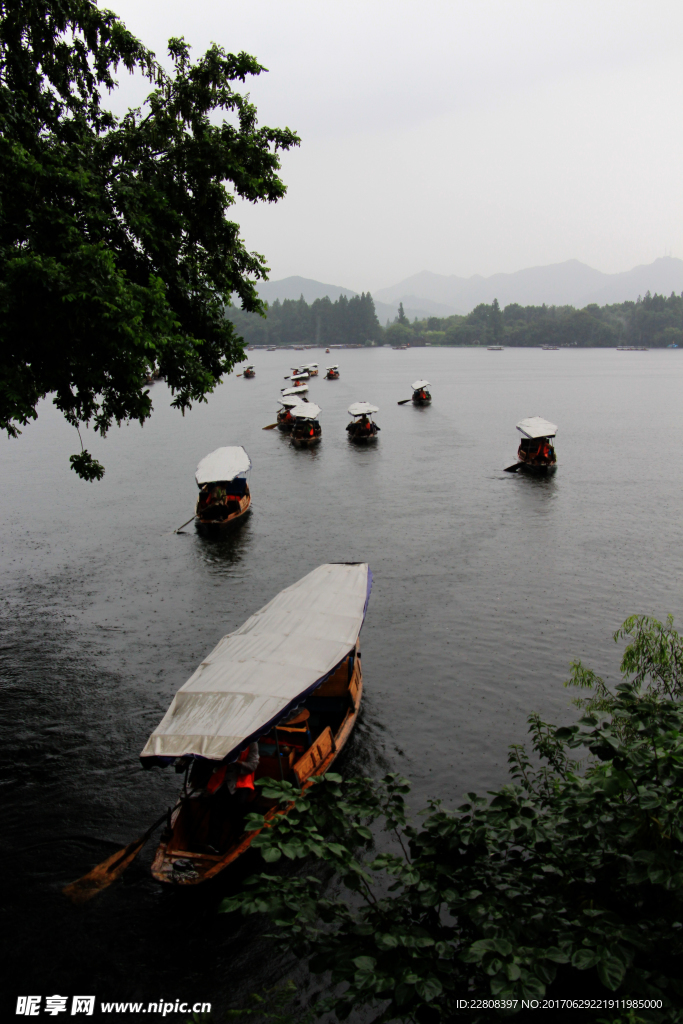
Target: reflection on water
486, 585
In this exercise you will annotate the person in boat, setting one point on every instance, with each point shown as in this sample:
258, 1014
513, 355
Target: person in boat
231, 789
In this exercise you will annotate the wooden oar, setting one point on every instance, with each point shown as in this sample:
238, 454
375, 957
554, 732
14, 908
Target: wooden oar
184, 524
513, 468
403, 402
102, 876
270, 426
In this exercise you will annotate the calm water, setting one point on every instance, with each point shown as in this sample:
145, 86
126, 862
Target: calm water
487, 585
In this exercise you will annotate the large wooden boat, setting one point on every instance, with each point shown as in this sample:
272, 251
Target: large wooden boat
332, 372
224, 496
295, 692
536, 452
420, 394
306, 430
362, 428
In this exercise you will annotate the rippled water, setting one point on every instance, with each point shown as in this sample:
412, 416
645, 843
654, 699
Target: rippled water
487, 585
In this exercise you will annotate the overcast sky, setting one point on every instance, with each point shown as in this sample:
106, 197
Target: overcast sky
462, 137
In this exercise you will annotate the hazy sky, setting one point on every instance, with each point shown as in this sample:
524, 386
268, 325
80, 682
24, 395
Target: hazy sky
461, 137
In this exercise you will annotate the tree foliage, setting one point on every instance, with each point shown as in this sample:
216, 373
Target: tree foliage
654, 321
567, 881
117, 257
346, 321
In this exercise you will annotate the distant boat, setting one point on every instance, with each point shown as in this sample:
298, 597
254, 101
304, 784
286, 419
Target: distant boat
495, 348
327, 351
249, 372
362, 428
536, 452
550, 348
271, 348
332, 372
224, 496
306, 430
420, 394
288, 698
672, 345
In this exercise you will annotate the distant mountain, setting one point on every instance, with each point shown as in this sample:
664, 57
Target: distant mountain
571, 283
561, 284
295, 287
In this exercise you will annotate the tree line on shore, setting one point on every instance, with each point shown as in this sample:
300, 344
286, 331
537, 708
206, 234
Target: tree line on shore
654, 321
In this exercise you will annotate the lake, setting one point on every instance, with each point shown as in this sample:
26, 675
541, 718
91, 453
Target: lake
486, 586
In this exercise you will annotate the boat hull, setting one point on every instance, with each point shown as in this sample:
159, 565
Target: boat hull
537, 470
422, 401
305, 442
219, 527
317, 760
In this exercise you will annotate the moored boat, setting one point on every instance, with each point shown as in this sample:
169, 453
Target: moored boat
266, 703
536, 452
306, 429
420, 394
224, 496
362, 428
332, 372
249, 372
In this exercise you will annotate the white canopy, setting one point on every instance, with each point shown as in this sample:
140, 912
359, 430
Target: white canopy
299, 376
335, 367
310, 366
362, 409
536, 426
223, 464
298, 390
306, 411
258, 674
289, 403
417, 384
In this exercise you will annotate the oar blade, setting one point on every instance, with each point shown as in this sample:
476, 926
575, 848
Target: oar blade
403, 402
512, 469
102, 876
271, 426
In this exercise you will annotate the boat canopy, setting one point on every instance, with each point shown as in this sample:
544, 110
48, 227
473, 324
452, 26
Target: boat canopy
289, 403
307, 411
362, 409
304, 375
257, 675
223, 464
335, 367
417, 384
250, 366
298, 390
310, 366
536, 426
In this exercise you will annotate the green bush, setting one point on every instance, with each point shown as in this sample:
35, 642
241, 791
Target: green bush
566, 882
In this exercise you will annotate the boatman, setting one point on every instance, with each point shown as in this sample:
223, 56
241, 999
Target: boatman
231, 788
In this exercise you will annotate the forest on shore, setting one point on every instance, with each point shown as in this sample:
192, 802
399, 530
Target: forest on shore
654, 321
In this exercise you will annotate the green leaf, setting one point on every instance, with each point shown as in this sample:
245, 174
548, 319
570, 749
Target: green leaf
611, 972
429, 988
271, 854
365, 963
585, 958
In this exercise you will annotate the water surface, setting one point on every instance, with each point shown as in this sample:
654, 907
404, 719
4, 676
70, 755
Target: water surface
487, 585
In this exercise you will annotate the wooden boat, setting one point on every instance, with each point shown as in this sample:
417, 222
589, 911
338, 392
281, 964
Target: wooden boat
536, 452
311, 368
224, 496
327, 351
285, 419
362, 428
249, 372
295, 693
332, 372
420, 394
306, 430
